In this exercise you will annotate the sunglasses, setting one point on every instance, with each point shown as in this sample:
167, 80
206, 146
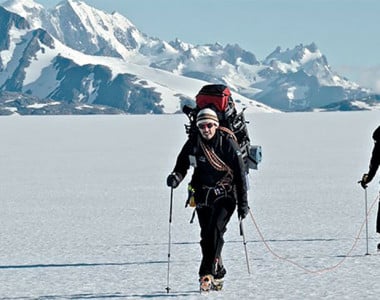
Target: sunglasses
203, 126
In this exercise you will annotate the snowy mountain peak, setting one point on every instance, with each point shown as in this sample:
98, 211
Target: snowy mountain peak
300, 53
94, 17
180, 45
22, 6
32, 11
94, 31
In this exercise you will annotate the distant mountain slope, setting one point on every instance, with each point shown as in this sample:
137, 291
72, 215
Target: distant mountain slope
76, 53
367, 103
36, 63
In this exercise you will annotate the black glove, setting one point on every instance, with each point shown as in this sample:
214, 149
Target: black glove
242, 212
364, 181
173, 180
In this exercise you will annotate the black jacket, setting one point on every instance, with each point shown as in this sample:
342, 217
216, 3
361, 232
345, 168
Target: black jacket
375, 158
205, 174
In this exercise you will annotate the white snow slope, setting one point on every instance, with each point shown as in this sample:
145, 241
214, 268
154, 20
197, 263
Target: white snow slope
85, 210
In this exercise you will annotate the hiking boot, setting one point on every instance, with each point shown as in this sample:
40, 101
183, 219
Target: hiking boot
217, 284
209, 283
206, 283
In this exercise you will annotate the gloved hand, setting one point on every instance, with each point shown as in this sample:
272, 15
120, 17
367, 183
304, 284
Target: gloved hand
174, 180
364, 181
242, 212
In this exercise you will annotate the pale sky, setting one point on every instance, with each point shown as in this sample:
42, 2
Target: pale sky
346, 31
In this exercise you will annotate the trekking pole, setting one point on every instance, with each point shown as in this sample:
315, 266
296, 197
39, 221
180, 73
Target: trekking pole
244, 243
170, 237
378, 219
366, 219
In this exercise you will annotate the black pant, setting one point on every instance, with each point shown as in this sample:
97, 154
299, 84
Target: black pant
213, 221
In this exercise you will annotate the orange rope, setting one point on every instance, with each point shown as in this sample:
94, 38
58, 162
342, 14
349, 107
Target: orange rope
299, 265
214, 159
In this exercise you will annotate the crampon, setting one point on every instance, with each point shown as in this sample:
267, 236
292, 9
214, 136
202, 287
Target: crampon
209, 283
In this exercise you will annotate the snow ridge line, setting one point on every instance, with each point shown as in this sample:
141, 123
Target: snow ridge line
318, 271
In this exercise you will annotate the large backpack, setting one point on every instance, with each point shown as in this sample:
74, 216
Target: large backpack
218, 97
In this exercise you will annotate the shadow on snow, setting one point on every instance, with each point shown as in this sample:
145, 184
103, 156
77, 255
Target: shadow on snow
115, 295
31, 266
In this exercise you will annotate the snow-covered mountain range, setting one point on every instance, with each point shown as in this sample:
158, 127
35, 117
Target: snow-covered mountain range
78, 55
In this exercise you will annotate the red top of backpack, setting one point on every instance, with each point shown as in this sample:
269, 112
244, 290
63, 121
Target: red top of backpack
216, 95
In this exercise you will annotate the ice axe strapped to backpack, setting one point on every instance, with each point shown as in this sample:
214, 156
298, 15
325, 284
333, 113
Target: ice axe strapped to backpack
218, 97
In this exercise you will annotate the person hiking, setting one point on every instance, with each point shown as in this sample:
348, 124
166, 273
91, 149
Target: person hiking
374, 161
218, 184
373, 166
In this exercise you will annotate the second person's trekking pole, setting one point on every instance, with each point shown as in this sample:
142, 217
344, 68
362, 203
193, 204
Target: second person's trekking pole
366, 219
244, 243
170, 237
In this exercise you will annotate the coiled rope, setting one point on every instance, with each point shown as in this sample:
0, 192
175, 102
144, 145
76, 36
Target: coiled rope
318, 271
214, 159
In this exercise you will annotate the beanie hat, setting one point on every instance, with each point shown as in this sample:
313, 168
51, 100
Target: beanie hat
207, 115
